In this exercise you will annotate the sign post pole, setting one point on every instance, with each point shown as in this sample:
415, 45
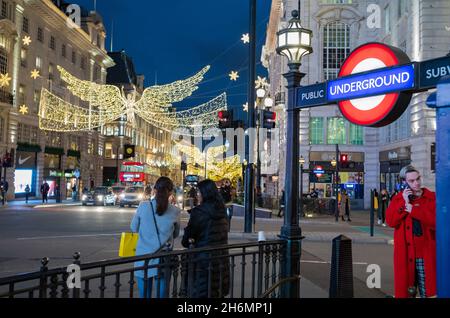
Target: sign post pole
441, 101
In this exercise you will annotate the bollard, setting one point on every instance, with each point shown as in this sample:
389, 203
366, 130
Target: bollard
372, 212
341, 276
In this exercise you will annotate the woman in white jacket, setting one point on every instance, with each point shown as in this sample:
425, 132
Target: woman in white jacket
158, 223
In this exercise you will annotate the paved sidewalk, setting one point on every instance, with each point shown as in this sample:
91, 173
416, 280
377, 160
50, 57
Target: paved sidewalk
37, 203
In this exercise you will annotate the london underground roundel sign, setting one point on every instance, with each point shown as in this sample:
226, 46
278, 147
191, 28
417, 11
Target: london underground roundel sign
379, 110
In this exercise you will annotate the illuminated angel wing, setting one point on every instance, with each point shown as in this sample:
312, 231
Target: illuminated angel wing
55, 114
193, 121
106, 97
157, 97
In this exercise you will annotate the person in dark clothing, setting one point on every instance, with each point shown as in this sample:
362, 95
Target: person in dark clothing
193, 196
45, 188
282, 204
27, 193
384, 206
208, 226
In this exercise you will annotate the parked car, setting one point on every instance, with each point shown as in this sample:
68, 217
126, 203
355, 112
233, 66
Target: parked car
100, 196
117, 191
132, 196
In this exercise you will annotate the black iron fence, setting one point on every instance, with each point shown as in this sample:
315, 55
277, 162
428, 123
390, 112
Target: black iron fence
248, 270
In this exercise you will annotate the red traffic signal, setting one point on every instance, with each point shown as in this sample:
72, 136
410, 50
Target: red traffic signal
344, 158
269, 119
225, 119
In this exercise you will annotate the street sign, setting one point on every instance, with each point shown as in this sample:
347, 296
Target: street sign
318, 171
432, 71
383, 109
380, 82
312, 95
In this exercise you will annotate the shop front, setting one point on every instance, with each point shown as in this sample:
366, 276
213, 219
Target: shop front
25, 173
52, 170
73, 183
350, 176
391, 162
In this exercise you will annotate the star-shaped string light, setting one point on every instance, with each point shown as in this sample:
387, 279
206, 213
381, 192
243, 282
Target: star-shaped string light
23, 109
261, 82
234, 75
26, 40
4, 80
245, 38
35, 74
246, 107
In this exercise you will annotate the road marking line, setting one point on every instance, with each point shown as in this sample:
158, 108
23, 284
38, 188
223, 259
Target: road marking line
62, 237
323, 262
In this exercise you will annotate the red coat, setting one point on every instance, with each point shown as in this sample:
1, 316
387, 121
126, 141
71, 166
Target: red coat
424, 210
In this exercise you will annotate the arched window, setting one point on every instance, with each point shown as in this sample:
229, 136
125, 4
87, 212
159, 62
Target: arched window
336, 47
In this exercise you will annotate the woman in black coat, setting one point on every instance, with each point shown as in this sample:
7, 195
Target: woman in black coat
208, 226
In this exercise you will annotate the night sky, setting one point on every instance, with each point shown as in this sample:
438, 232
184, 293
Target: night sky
172, 40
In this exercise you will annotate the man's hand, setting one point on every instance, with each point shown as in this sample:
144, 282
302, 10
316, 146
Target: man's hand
406, 194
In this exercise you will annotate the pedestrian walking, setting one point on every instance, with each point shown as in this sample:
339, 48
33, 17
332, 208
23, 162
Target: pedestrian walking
376, 205
345, 206
27, 193
45, 188
412, 213
282, 204
384, 205
158, 223
207, 227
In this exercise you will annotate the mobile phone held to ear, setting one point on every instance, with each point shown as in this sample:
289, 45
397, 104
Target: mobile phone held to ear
411, 197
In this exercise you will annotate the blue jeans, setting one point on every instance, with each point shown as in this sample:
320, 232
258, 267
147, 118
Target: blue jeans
150, 281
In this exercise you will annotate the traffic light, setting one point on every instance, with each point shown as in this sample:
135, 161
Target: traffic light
343, 160
225, 119
268, 119
129, 151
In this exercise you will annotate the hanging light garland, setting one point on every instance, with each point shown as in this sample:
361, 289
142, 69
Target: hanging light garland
107, 103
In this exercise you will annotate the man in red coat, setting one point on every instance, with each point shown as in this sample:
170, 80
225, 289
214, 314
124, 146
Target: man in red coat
412, 213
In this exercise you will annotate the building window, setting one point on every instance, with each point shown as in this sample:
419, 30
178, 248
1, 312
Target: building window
356, 134
74, 57
83, 63
40, 35
316, 135
22, 97
34, 135
336, 48
37, 97
52, 44
4, 10
336, 132
2, 129
3, 61
51, 71
387, 19
63, 51
108, 150
25, 25
23, 57
38, 63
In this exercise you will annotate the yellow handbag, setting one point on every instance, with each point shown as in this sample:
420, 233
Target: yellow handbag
128, 243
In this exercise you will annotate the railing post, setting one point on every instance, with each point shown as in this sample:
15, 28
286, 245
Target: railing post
190, 270
372, 212
43, 279
76, 261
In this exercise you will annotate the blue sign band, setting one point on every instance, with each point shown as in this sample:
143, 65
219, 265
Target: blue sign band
374, 83
312, 95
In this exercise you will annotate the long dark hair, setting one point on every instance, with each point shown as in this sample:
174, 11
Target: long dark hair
210, 194
163, 189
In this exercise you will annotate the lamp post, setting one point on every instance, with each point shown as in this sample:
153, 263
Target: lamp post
260, 94
294, 42
302, 162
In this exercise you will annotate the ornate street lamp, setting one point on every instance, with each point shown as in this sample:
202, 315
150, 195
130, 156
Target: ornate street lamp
294, 42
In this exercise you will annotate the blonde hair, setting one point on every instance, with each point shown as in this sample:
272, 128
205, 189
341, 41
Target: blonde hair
406, 170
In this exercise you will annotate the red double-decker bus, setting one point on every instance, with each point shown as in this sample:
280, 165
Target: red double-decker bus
133, 172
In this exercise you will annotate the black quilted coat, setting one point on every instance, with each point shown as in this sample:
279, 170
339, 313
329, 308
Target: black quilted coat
208, 227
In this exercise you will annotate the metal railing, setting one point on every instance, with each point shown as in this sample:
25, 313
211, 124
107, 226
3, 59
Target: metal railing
246, 270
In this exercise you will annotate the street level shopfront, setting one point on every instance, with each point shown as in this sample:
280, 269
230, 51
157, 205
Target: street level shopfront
391, 162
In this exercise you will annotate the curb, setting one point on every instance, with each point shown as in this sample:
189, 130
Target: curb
315, 237
55, 205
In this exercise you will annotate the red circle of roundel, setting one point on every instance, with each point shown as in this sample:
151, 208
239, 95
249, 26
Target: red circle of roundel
390, 57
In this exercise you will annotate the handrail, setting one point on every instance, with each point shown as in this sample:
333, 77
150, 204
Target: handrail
122, 261
279, 283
